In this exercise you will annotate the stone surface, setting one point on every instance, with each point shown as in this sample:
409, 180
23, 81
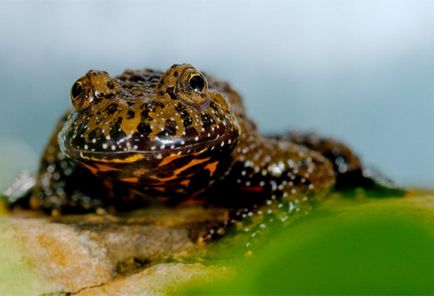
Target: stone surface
72, 254
159, 279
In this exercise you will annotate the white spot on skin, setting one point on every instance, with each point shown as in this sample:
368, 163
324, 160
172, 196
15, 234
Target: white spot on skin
104, 146
276, 169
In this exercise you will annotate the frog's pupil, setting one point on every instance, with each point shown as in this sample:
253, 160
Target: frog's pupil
76, 90
197, 83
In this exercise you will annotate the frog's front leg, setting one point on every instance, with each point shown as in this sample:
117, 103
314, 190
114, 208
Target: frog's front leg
61, 185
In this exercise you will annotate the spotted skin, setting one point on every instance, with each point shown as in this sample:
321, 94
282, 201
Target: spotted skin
176, 135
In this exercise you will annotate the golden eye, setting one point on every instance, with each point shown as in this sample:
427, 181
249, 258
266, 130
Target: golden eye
197, 83
76, 90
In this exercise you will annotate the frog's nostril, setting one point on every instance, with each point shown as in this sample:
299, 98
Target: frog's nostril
110, 85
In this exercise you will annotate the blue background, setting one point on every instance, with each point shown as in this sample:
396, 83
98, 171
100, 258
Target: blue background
362, 71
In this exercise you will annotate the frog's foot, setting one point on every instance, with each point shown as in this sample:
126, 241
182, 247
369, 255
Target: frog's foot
250, 226
18, 193
371, 180
59, 204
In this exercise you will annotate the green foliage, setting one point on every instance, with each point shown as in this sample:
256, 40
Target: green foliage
381, 247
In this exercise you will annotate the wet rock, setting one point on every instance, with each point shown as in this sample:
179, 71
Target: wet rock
160, 279
72, 254
64, 258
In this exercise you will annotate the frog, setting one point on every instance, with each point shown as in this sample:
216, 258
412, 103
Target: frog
180, 135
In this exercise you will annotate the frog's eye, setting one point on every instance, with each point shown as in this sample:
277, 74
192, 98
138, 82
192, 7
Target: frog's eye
197, 83
76, 90
186, 83
81, 98
193, 88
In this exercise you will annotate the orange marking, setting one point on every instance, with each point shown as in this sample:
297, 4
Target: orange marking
105, 168
169, 159
91, 168
129, 159
167, 178
211, 167
176, 173
190, 164
185, 182
99, 168
130, 180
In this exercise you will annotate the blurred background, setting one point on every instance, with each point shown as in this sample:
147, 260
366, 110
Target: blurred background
361, 71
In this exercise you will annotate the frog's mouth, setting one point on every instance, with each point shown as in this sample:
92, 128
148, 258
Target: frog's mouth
131, 156
224, 143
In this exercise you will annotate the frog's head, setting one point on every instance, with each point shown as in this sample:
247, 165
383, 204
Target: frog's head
166, 130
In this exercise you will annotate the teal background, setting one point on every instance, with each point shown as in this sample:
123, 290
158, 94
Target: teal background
361, 71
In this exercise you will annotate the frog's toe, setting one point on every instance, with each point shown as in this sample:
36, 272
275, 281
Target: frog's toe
370, 180
17, 194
